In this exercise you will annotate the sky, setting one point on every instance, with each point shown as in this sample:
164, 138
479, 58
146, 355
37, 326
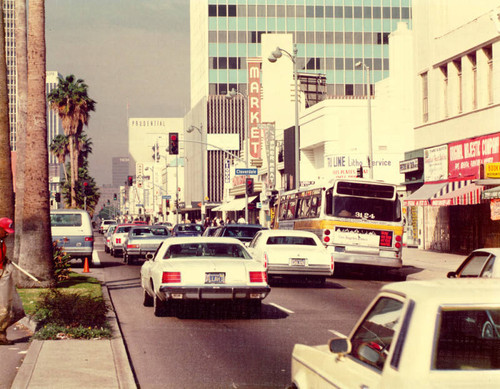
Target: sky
131, 54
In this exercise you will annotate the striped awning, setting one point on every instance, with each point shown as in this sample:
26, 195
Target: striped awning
469, 194
492, 193
424, 194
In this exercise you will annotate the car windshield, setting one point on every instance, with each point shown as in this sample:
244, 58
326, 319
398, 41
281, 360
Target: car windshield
295, 240
241, 232
66, 220
189, 227
186, 250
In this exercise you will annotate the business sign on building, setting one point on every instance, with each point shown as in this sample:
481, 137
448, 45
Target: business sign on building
467, 156
436, 163
492, 170
346, 165
139, 179
254, 107
271, 154
410, 165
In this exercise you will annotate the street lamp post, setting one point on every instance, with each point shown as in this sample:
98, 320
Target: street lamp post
273, 57
231, 95
202, 205
370, 146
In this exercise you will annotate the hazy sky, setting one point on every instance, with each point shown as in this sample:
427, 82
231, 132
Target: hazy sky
127, 51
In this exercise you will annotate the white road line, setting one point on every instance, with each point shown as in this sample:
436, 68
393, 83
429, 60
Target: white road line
281, 308
95, 258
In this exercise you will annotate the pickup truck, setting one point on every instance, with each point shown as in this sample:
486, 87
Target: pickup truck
142, 240
414, 334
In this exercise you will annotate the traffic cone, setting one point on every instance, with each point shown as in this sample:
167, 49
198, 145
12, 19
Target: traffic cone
86, 266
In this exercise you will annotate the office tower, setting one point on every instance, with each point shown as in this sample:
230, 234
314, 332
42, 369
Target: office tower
119, 171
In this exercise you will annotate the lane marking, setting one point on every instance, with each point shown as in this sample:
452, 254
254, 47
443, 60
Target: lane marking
281, 308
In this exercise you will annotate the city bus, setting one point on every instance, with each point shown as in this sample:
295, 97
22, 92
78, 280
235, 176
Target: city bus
358, 220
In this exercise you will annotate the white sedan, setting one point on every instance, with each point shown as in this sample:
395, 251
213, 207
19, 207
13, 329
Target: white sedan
292, 253
202, 268
479, 263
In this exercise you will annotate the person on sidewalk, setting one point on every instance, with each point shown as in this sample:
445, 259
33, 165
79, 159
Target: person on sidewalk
11, 307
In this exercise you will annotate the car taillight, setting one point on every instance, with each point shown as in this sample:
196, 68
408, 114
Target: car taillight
265, 261
89, 239
133, 246
118, 240
258, 276
332, 262
326, 236
327, 232
398, 238
326, 239
170, 277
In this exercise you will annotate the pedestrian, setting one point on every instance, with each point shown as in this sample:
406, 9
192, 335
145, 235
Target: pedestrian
11, 306
241, 220
207, 222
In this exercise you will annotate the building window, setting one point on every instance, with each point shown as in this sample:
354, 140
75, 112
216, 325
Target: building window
222, 10
444, 83
349, 90
425, 97
473, 64
458, 66
212, 10
489, 77
231, 10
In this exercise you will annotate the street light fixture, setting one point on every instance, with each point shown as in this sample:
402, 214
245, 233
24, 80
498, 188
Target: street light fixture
202, 206
230, 95
370, 146
273, 57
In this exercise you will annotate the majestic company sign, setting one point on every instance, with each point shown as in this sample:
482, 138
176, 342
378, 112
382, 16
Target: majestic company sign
467, 156
254, 107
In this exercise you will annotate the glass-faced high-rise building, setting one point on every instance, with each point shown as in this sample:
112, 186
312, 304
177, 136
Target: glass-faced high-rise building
332, 36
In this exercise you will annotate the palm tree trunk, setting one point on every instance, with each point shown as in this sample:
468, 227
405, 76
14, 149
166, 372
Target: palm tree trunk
22, 101
6, 185
73, 177
36, 257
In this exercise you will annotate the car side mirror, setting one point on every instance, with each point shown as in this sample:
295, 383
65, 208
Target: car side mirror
340, 345
150, 256
451, 274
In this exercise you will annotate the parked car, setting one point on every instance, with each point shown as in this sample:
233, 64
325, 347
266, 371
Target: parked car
202, 268
187, 229
105, 224
116, 247
414, 334
242, 232
289, 253
479, 263
142, 240
72, 231
209, 231
107, 238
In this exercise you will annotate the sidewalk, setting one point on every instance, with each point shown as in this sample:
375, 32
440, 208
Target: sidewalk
78, 363
104, 363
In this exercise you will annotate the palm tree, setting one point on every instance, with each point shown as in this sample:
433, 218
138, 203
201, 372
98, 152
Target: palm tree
59, 147
36, 245
22, 103
6, 187
84, 146
73, 105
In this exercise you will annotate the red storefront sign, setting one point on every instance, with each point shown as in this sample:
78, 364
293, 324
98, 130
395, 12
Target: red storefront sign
466, 156
254, 107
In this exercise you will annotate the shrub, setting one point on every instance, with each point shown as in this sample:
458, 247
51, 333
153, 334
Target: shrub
62, 267
70, 310
52, 331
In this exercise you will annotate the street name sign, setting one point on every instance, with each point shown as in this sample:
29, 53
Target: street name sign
246, 172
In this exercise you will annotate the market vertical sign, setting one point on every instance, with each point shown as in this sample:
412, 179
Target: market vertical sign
254, 107
467, 156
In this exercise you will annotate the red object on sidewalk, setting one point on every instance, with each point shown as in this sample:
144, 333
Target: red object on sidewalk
86, 266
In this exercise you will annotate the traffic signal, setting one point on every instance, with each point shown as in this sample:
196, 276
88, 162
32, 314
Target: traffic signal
86, 188
173, 143
114, 196
359, 172
58, 197
167, 203
156, 153
130, 180
249, 186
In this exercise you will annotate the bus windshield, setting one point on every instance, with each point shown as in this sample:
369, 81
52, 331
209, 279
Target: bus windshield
366, 208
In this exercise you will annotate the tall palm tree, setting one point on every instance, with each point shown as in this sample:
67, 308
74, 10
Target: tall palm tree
36, 246
73, 105
84, 146
6, 187
22, 104
59, 147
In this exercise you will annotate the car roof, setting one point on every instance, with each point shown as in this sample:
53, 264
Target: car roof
449, 290
239, 225
492, 250
66, 210
201, 239
288, 233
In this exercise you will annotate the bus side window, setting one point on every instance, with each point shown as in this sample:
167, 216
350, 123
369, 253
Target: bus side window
329, 201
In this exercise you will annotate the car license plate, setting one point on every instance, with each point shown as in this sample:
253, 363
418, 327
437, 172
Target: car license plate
215, 278
297, 261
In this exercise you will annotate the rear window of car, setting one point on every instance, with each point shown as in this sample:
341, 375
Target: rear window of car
295, 240
188, 227
468, 339
121, 230
141, 232
208, 250
66, 220
160, 231
240, 232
